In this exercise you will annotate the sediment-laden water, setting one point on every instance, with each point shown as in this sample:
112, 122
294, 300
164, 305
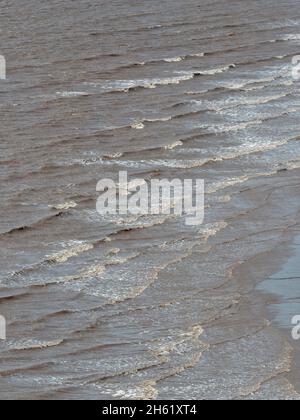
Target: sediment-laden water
146, 307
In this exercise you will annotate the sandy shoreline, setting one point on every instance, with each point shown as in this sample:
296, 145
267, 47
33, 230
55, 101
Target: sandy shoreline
283, 301
272, 274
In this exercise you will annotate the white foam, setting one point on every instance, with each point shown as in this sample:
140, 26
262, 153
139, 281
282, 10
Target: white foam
126, 85
219, 185
243, 84
173, 60
65, 206
159, 119
31, 344
217, 70
182, 76
212, 229
66, 254
138, 125
173, 145
113, 155
67, 94
225, 128
198, 54
291, 37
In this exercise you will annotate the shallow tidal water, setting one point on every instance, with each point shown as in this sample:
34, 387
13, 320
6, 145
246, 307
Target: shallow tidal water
148, 307
285, 284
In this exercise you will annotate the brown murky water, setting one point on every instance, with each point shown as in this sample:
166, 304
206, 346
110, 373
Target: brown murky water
146, 307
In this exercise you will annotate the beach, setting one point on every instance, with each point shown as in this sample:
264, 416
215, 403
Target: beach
146, 307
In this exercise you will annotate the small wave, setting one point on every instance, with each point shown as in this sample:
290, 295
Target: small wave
32, 226
71, 94
93, 272
242, 85
224, 153
13, 296
212, 229
219, 185
108, 156
175, 163
231, 102
66, 254
173, 60
98, 270
197, 55
245, 85
159, 119
165, 347
31, 344
128, 85
138, 125
59, 257
184, 57
173, 145
291, 37
65, 206
216, 71
169, 60
227, 128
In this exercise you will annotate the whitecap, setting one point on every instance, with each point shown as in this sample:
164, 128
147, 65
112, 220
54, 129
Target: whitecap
138, 125
71, 94
173, 59
65, 206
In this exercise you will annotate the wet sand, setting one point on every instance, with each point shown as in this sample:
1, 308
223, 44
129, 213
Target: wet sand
285, 285
283, 288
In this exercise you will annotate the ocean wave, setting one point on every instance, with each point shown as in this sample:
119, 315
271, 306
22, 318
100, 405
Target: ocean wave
243, 84
71, 249
128, 85
31, 344
158, 119
12, 295
223, 153
92, 272
229, 182
34, 225
65, 206
168, 60
70, 252
184, 57
97, 271
212, 229
236, 102
138, 125
218, 70
208, 53
172, 146
112, 257
291, 37
173, 60
112, 155
229, 127
177, 352
71, 94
